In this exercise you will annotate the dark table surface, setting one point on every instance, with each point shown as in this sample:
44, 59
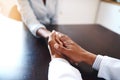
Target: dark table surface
25, 57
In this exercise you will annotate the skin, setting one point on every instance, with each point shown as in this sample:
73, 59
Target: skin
43, 32
51, 41
62, 45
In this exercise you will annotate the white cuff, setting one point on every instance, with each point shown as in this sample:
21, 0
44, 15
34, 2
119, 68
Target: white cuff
97, 62
34, 28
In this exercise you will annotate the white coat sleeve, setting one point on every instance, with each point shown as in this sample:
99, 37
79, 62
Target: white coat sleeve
28, 16
60, 69
108, 67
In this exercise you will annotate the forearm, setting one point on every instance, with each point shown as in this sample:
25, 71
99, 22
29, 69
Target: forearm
28, 16
89, 58
26, 11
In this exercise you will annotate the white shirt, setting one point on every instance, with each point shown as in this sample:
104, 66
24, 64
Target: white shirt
34, 13
108, 68
61, 69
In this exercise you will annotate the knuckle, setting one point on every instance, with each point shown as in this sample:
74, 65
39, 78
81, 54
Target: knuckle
50, 42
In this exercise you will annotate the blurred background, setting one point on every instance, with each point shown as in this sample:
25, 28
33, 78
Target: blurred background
103, 12
8, 8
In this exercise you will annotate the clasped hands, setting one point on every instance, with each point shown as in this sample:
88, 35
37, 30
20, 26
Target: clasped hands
61, 46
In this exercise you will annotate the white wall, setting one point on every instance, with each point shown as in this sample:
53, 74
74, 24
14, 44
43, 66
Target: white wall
77, 11
71, 11
109, 16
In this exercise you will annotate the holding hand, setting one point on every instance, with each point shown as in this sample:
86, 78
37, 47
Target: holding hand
70, 49
52, 40
64, 47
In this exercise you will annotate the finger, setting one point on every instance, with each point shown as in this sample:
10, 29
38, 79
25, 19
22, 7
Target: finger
60, 48
64, 37
58, 38
51, 37
67, 42
64, 51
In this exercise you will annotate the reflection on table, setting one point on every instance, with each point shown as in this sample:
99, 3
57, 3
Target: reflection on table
22, 56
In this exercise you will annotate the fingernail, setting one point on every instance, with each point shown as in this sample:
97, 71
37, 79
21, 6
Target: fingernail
56, 46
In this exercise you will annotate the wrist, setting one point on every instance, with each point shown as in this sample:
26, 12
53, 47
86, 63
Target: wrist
89, 58
43, 32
